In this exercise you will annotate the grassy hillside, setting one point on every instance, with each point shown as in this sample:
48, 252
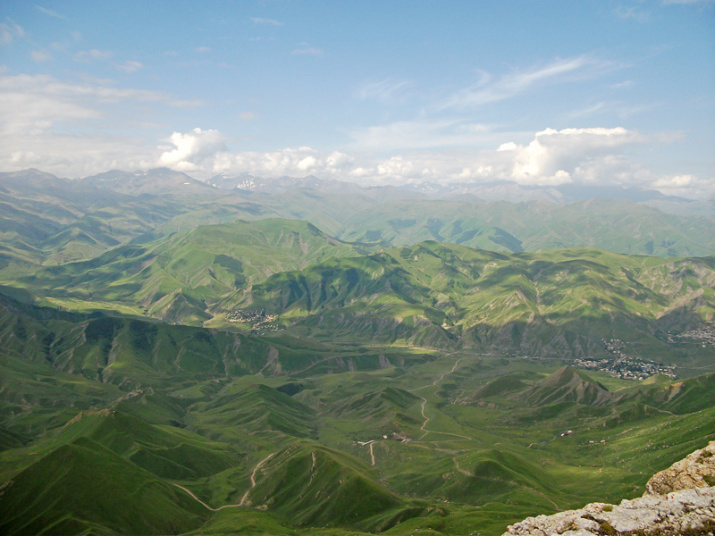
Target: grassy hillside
410, 444
180, 279
555, 303
168, 368
613, 225
407, 222
82, 487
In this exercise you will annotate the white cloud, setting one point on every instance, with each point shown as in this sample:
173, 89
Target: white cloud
488, 90
50, 13
259, 21
634, 13
626, 84
40, 56
192, 149
130, 66
384, 90
552, 157
248, 116
65, 128
203, 50
92, 55
559, 156
595, 156
291, 161
41, 88
8, 32
422, 134
688, 186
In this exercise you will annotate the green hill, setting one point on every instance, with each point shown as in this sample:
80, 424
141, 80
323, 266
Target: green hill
408, 222
309, 485
567, 385
122, 350
167, 452
613, 225
183, 278
179, 359
83, 487
555, 303
256, 409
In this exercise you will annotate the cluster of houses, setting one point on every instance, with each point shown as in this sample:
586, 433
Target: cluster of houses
704, 334
258, 319
622, 365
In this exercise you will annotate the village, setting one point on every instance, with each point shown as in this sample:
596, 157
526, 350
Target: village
257, 319
703, 334
622, 365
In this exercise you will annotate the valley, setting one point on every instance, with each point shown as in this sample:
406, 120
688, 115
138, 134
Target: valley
182, 359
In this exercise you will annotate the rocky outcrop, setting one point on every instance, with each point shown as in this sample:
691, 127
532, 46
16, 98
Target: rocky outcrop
677, 501
697, 470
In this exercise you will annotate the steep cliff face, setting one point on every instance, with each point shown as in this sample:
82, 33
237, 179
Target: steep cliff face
679, 500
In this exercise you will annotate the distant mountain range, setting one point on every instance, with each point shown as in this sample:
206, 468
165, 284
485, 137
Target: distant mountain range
488, 191
41, 214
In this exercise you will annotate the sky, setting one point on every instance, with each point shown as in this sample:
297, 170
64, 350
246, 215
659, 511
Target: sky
538, 93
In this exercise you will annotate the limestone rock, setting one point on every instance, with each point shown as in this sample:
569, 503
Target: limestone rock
697, 470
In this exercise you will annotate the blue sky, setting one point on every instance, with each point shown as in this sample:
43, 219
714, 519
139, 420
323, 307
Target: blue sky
533, 92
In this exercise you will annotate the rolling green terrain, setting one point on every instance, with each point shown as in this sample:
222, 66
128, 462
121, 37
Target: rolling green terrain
176, 359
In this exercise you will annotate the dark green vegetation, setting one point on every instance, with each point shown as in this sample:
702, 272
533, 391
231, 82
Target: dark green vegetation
178, 359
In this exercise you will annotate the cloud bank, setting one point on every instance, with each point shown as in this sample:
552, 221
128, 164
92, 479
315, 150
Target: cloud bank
61, 127
586, 156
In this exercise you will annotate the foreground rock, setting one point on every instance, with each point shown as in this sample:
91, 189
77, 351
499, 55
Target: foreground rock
677, 501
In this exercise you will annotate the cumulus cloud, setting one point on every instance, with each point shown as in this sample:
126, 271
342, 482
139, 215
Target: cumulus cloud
192, 149
552, 157
561, 156
685, 185
291, 161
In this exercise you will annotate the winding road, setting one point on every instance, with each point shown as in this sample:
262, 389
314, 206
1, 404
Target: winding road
423, 428
245, 495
